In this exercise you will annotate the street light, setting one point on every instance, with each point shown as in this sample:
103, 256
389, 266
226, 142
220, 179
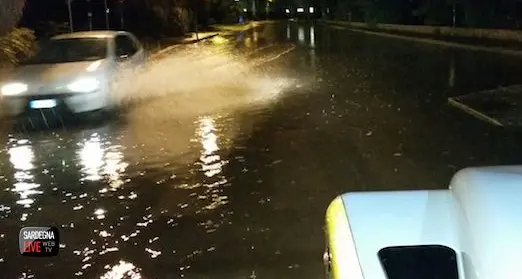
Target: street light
287, 11
311, 10
300, 10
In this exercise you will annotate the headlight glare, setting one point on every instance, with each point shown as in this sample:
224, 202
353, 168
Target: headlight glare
84, 85
14, 88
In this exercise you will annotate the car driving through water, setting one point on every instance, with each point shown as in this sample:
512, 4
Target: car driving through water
72, 73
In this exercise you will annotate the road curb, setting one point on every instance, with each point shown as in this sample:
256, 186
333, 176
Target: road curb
429, 41
480, 34
473, 112
252, 25
202, 39
174, 46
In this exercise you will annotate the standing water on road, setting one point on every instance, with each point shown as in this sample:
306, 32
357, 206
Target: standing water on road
225, 154
147, 188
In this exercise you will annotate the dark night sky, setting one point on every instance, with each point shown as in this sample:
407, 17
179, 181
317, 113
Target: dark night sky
38, 11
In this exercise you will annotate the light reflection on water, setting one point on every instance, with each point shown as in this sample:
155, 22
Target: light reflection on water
301, 34
91, 158
21, 156
120, 216
115, 165
108, 209
100, 159
312, 36
306, 35
210, 161
122, 270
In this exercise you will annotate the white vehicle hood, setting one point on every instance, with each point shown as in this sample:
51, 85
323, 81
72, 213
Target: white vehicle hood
479, 217
54, 77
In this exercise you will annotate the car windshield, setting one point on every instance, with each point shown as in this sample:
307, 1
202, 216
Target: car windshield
70, 50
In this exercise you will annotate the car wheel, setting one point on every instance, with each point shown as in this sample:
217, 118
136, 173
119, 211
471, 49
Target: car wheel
91, 117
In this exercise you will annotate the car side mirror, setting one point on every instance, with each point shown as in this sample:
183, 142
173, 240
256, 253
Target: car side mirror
122, 54
123, 57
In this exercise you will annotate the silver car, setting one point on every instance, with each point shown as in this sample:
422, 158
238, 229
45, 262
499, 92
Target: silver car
73, 72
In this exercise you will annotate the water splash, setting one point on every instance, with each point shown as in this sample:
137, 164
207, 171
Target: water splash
202, 80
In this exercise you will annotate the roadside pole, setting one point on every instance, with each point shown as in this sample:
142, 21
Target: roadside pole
267, 9
122, 26
196, 21
254, 10
89, 14
454, 14
70, 15
106, 14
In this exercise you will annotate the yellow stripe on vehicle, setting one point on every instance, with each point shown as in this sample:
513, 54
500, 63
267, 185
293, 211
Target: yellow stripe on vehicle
344, 260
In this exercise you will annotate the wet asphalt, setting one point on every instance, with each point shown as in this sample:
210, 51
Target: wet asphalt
219, 183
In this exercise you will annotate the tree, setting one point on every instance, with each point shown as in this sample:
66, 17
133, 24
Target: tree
372, 11
224, 10
163, 17
15, 43
492, 13
10, 12
175, 17
435, 12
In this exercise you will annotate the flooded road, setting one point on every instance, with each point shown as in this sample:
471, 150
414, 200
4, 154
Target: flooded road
227, 173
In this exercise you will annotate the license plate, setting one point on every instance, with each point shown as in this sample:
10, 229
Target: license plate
41, 104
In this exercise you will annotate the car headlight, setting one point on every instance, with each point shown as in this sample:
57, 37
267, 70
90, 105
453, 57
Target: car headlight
84, 85
14, 88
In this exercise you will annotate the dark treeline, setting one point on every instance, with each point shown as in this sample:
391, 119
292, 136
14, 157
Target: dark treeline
464, 13
166, 18
150, 18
